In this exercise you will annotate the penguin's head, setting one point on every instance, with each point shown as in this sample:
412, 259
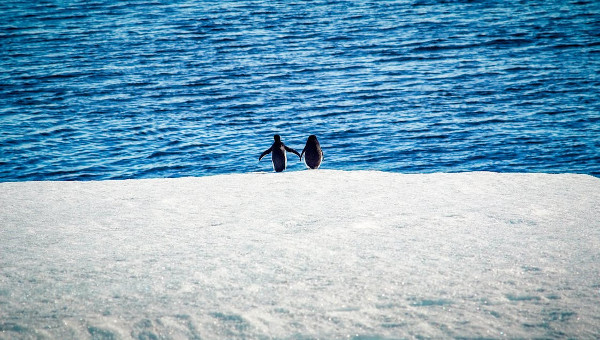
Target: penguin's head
277, 138
312, 138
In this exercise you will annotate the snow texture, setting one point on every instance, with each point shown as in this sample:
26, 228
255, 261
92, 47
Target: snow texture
299, 255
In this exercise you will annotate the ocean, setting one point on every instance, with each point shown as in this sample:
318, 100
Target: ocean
97, 90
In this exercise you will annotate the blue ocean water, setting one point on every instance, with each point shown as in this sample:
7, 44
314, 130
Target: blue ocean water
106, 89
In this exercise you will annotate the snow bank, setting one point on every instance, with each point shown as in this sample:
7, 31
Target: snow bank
307, 254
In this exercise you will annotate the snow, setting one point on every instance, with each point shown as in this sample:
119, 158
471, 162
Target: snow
302, 254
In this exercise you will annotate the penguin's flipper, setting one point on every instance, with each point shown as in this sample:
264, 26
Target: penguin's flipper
266, 152
302, 153
292, 151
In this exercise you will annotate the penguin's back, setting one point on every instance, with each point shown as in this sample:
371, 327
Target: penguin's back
313, 154
279, 158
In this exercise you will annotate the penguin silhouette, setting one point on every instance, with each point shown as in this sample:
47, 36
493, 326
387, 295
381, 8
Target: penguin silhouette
278, 155
313, 155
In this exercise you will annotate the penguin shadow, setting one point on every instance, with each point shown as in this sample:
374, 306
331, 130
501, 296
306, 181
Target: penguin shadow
312, 153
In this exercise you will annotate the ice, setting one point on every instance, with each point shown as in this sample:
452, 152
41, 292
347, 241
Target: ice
303, 254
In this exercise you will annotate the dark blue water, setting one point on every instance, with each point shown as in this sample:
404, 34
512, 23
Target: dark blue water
112, 89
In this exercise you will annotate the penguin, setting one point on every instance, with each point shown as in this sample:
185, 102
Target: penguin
278, 155
313, 155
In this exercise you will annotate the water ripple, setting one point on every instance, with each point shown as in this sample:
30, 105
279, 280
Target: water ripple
106, 90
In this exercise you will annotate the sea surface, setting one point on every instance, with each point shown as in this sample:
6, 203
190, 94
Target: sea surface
104, 89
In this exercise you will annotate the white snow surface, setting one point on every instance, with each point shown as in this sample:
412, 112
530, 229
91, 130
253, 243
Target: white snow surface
300, 255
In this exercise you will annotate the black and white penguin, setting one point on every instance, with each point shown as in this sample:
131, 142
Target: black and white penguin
313, 155
278, 155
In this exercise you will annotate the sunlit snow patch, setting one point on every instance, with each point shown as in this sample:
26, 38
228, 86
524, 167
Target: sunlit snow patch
304, 254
